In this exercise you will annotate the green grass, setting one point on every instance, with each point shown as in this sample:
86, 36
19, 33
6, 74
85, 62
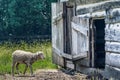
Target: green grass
7, 48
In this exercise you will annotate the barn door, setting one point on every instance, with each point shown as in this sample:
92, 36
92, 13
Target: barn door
57, 33
80, 30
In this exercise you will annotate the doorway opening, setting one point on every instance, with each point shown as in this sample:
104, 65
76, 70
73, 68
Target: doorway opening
99, 43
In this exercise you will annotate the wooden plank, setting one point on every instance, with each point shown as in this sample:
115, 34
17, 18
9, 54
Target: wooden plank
82, 2
98, 15
111, 73
112, 47
113, 59
82, 44
114, 17
112, 31
57, 58
57, 18
83, 62
57, 9
80, 56
64, 0
57, 26
74, 42
69, 16
79, 28
57, 33
82, 21
83, 9
70, 64
68, 56
65, 26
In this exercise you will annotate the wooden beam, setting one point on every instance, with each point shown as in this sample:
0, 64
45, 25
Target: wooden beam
112, 31
97, 7
113, 59
112, 47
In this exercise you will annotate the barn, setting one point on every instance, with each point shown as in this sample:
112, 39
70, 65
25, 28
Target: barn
86, 36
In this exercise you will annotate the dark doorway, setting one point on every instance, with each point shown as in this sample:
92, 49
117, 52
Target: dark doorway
99, 43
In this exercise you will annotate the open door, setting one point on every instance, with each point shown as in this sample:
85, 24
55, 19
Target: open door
57, 33
80, 37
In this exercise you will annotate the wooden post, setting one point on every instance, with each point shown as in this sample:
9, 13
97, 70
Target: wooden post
64, 25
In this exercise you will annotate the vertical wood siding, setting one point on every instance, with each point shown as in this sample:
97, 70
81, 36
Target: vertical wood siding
57, 26
57, 33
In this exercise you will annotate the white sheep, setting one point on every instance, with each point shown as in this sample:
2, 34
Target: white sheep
27, 58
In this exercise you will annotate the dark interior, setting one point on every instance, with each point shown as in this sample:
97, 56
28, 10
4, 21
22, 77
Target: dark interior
99, 49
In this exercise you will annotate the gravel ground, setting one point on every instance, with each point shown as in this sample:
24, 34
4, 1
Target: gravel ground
46, 75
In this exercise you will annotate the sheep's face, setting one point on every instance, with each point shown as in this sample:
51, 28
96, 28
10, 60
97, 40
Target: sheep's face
40, 55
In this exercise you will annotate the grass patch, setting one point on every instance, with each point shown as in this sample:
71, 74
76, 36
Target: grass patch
7, 48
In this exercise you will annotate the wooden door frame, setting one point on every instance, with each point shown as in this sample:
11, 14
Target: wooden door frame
92, 41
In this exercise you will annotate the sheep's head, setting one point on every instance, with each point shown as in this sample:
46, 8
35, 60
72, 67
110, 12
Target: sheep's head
40, 55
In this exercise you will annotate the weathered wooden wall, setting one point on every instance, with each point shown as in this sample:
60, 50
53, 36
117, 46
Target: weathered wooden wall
57, 33
81, 2
80, 35
112, 32
102, 6
112, 46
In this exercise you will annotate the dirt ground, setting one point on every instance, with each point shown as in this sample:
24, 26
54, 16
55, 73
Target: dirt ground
46, 75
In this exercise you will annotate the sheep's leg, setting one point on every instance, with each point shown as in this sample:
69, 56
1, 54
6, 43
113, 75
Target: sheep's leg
25, 69
30, 66
13, 65
17, 68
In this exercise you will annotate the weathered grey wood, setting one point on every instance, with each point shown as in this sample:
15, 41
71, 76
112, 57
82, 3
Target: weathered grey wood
57, 58
56, 19
75, 57
80, 56
83, 62
65, 26
112, 47
57, 29
113, 16
112, 32
63, 0
57, 9
113, 59
82, 2
68, 56
112, 73
97, 7
70, 64
57, 33
93, 44
114, 19
80, 28
69, 29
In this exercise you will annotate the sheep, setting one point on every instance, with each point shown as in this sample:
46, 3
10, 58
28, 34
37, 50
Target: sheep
27, 58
